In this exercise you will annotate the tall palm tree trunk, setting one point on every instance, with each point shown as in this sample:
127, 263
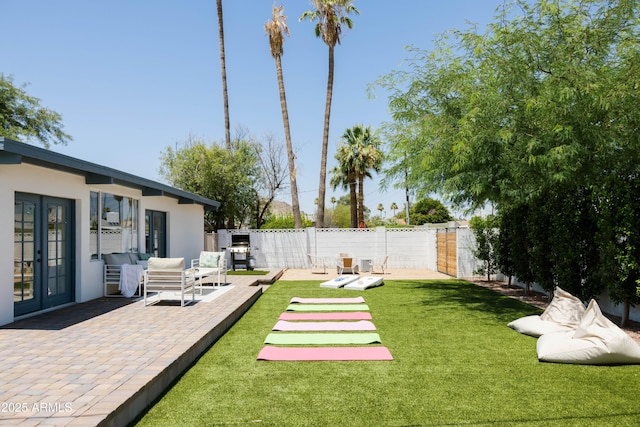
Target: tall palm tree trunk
361, 199
353, 202
223, 71
322, 188
295, 204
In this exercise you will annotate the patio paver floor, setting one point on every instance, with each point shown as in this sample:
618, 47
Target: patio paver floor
104, 361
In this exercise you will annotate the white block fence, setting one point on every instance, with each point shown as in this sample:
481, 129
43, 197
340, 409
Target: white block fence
410, 248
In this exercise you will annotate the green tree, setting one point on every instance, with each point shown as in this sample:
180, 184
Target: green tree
343, 175
394, 208
536, 114
358, 153
486, 236
22, 117
276, 29
213, 172
619, 241
330, 15
284, 222
430, 211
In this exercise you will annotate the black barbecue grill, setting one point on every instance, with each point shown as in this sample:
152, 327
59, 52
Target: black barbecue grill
240, 250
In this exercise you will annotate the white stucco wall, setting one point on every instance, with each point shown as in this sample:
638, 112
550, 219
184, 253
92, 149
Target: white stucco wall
184, 225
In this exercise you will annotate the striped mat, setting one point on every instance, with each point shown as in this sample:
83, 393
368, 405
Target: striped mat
355, 300
347, 315
294, 338
324, 353
360, 325
328, 307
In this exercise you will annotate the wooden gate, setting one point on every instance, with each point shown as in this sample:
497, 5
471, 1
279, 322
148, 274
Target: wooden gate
447, 256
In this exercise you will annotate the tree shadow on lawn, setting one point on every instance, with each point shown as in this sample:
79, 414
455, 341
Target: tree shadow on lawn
473, 297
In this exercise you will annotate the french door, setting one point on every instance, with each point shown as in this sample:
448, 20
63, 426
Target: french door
43, 253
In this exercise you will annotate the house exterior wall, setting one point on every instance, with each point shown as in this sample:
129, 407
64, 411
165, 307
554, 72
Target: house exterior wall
184, 225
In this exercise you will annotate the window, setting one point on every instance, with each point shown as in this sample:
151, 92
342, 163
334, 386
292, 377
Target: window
114, 224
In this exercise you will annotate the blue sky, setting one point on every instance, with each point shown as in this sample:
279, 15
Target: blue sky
132, 77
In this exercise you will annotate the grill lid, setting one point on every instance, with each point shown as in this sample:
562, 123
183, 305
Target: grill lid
240, 240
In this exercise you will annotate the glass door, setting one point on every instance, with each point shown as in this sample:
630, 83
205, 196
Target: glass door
156, 233
43, 253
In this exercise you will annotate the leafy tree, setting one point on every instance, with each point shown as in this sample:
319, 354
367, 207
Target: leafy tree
538, 114
276, 30
330, 15
22, 117
213, 172
430, 211
284, 222
619, 241
486, 235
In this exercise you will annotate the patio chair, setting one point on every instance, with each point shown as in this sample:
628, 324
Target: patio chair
317, 263
209, 264
347, 265
168, 274
380, 265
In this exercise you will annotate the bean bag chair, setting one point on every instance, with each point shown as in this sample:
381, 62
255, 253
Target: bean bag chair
563, 314
596, 341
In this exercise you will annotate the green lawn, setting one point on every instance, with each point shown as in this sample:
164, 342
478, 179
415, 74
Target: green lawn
456, 363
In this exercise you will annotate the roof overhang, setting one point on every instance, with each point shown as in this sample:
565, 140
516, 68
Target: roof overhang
14, 153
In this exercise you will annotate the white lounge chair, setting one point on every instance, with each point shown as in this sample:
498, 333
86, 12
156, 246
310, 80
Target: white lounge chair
210, 264
318, 264
380, 264
168, 274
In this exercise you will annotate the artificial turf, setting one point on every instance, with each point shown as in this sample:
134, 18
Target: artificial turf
455, 363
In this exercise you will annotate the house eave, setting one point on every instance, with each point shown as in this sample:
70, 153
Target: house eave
14, 152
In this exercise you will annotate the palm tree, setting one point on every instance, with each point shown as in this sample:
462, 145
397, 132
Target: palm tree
380, 209
333, 202
223, 70
366, 155
276, 29
344, 176
331, 15
394, 208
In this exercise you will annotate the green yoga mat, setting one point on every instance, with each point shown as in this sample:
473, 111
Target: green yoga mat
328, 307
323, 339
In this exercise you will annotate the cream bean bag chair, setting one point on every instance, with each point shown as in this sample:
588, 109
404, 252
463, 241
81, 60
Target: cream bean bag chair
563, 314
596, 341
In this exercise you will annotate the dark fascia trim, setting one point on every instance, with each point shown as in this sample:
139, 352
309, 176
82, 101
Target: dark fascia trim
14, 152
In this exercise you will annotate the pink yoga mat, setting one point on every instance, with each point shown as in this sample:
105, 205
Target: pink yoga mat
347, 315
361, 325
269, 352
355, 300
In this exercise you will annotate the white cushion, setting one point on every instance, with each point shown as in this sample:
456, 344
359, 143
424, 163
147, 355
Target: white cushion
564, 309
596, 341
166, 263
563, 314
534, 326
209, 259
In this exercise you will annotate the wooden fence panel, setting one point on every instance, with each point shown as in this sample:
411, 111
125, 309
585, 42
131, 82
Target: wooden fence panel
447, 252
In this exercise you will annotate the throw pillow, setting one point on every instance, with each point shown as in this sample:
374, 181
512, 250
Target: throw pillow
209, 259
